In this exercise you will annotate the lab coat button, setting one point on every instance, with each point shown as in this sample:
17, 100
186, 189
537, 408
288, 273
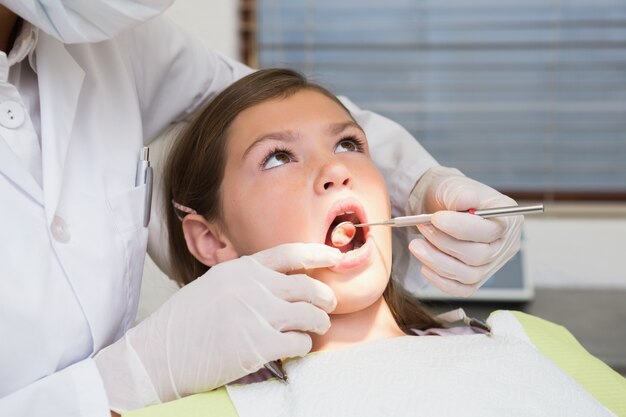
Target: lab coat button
60, 230
12, 114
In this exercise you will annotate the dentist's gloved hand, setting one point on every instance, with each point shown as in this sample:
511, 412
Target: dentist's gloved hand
460, 251
226, 324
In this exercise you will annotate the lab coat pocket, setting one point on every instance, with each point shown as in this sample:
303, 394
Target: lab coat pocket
127, 210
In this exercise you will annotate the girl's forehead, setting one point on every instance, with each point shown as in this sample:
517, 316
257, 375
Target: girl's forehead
300, 103
303, 109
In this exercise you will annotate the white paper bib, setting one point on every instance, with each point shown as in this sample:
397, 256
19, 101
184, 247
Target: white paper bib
475, 375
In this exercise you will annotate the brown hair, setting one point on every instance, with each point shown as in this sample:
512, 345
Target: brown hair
195, 170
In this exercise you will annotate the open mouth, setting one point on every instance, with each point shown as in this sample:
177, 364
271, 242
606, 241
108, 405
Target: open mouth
359, 237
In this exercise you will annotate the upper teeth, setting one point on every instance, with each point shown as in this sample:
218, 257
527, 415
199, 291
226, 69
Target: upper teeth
345, 212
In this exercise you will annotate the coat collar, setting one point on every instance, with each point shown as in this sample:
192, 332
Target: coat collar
24, 44
60, 81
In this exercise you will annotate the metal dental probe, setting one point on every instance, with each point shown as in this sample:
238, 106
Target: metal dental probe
404, 221
341, 238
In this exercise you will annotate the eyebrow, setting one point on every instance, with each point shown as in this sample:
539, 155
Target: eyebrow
284, 136
290, 136
336, 128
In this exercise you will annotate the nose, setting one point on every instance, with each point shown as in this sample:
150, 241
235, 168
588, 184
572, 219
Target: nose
332, 177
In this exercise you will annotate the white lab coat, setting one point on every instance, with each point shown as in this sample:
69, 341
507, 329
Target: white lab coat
72, 251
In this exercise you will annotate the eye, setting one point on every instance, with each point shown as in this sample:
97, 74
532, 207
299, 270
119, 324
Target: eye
349, 144
277, 158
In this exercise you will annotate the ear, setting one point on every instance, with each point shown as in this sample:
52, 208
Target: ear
206, 242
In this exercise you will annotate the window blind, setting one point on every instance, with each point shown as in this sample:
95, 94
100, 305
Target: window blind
528, 96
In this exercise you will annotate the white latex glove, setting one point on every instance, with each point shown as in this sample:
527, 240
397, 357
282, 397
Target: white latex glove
226, 324
460, 251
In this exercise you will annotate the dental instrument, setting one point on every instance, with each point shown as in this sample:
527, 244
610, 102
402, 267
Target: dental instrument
344, 232
277, 370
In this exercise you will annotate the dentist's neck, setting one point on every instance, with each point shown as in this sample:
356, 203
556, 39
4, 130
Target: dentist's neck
8, 24
373, 323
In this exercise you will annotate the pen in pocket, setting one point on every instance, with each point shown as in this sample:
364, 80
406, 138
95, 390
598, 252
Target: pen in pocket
143, 175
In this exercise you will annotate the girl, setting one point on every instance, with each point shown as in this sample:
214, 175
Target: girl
288, 163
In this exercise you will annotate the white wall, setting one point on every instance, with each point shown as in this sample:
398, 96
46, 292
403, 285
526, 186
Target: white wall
577, 251
213, 21
566, 247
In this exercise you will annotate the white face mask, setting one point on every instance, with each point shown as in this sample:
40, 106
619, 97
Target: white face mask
84, 21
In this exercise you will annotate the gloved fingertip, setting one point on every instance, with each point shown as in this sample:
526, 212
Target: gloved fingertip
321, 330
334, 254
322, 326
418, 248
332, 304
329, 304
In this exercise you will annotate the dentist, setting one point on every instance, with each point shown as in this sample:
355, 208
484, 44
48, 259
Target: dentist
84, 85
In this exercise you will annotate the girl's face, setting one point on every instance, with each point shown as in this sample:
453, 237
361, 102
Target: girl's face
297, 166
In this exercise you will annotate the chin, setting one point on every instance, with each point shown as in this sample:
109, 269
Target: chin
355, 291
352, 303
